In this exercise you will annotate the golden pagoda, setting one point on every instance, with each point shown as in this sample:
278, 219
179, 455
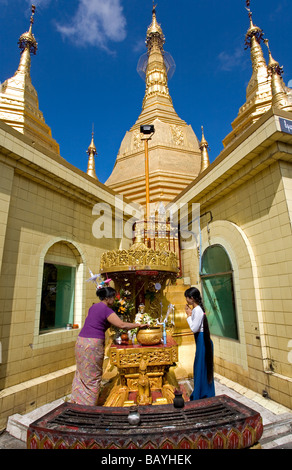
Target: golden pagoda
174, 154
263, 88
19, 106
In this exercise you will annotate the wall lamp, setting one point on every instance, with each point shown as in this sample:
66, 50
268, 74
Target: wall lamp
147, 129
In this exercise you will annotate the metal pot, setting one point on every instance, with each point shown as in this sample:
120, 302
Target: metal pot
134, 416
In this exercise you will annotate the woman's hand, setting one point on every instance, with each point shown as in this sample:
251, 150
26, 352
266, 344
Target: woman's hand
188, 310
115, 320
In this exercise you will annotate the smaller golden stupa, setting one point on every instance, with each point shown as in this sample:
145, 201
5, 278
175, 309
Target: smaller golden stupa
204, 146
91, 151
265, 88
19, 106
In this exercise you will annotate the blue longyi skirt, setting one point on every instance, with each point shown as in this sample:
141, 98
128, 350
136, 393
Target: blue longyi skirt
202, 389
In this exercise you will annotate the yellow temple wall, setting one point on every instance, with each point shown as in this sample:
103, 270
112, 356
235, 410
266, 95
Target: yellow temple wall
251, 211
46, 215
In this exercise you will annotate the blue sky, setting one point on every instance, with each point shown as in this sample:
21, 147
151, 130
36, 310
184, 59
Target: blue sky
85, 68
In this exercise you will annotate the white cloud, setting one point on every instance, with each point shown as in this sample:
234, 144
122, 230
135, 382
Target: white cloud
95, 23
139, 46
230, 60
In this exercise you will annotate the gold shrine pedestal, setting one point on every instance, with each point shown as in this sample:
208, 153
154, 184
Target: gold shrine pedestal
142, 374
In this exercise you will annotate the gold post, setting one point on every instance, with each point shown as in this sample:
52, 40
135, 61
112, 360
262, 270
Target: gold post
147, 130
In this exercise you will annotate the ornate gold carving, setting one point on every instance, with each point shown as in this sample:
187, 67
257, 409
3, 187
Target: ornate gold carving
177, 135
155, 382
138, 258
123, 358
141, 370
144, 392
137, 142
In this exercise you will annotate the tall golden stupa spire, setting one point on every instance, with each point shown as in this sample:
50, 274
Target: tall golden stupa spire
174, 154
91, 151
19, 106
253, 40
156, 66
204, 146
156, 74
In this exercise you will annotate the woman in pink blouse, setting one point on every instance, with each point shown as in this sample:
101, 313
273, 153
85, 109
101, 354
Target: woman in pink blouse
89, 348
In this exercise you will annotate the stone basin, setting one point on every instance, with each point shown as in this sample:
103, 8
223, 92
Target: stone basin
212, 423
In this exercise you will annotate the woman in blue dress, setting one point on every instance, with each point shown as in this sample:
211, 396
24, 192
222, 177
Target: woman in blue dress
203, 364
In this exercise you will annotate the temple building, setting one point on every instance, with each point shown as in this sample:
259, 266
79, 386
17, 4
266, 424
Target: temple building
242, 264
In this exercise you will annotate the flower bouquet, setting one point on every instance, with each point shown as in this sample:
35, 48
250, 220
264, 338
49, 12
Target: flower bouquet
123, 305
145, 319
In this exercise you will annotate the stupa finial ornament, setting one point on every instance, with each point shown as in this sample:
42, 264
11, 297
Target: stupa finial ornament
154, 32
27, 40
253, 31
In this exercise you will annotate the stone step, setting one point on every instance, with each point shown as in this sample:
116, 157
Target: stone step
280, 432
18, 424
278, 437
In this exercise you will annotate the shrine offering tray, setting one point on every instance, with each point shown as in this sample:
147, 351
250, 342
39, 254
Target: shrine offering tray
212, 423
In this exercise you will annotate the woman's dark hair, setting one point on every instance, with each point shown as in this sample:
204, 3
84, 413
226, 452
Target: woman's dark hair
194, 293
105, 292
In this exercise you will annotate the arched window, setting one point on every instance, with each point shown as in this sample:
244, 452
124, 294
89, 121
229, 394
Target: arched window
58, 287
218, 292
